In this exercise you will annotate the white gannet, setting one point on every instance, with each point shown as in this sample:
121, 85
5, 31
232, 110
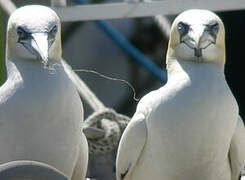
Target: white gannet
190, 128
41, 114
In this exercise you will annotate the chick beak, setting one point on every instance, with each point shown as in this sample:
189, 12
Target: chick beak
40, 46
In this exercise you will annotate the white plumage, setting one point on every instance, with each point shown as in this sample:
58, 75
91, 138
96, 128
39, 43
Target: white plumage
29, 170
190, 128
41, 112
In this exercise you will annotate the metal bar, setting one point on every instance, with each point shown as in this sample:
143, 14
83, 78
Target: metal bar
142, 9
132, 51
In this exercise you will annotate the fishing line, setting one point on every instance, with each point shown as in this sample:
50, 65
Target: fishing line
110, 78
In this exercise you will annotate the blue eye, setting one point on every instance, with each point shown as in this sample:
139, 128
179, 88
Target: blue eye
51, 35
22, 33
183, 28
54, 30
215, 28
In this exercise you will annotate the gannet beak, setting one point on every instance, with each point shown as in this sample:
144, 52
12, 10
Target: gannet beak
196, 35
40, 45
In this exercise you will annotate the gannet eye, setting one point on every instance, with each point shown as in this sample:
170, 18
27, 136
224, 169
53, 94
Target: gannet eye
214, 28
51, 35
22, 33
183, 28
53, 31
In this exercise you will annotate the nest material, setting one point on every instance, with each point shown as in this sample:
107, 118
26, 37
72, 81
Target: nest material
103, 130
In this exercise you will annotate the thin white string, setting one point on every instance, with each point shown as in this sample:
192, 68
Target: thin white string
109, 78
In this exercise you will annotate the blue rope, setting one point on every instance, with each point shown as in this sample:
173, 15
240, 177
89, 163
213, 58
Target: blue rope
129, 48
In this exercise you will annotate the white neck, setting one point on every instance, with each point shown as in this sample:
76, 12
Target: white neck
194, 71
28, 71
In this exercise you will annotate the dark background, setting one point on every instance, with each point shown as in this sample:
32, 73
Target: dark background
235, 54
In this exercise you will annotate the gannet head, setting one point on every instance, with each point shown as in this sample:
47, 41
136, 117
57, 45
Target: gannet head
34, 33
197, 35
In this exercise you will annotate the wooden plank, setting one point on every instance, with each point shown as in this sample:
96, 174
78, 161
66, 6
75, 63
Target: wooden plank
142, 9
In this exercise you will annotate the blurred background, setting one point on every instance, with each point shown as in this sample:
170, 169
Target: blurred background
86, 46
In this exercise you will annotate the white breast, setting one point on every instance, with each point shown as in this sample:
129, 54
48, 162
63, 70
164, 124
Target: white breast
41, 119
189, 129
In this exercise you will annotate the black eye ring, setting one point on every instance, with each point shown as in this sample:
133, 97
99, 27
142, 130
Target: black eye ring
54, 30
183, 28
22, 33
214, 28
